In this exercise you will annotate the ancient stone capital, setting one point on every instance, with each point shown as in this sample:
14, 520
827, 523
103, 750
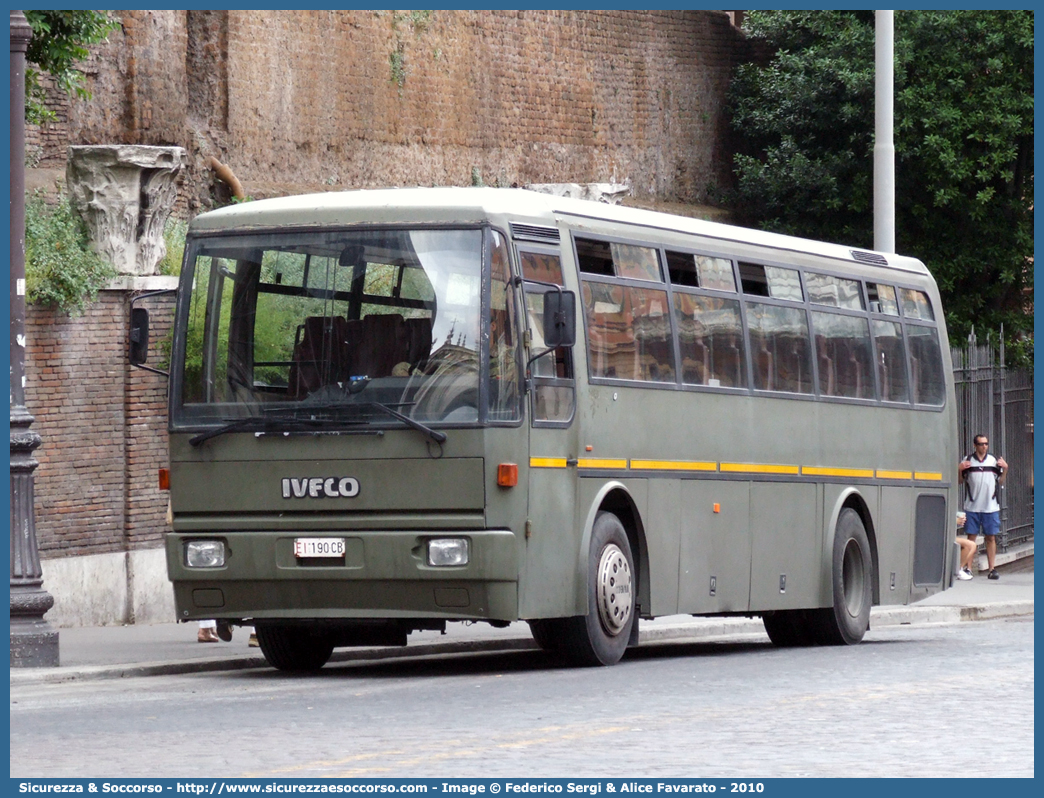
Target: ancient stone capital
610, 193
125, 192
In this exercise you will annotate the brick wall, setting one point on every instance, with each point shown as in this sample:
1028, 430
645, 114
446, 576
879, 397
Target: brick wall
314, 100
320, 100
145, 416
103, 427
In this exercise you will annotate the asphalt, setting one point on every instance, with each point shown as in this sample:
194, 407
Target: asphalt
113, 652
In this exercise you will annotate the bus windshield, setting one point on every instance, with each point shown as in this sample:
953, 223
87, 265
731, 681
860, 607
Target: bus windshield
336, 326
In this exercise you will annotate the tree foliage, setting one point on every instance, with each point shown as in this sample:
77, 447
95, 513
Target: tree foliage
804, 125
60, 40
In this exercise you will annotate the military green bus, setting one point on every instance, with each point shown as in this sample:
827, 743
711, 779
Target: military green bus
394, 409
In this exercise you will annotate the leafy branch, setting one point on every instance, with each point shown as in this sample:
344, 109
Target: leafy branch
60, 41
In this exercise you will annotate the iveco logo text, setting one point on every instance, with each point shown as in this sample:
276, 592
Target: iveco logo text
320, 487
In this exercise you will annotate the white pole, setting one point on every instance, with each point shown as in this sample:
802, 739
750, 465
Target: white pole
884, 149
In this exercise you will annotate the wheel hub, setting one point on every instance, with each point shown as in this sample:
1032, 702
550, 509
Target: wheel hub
615, 589
852, 574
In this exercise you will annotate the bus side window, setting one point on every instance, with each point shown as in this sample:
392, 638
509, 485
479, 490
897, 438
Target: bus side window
629, 332
779, 348
882, 299
916, 304
843, 351
891, 361
770, 281
611, 259
837, 292
926, 372
710, 337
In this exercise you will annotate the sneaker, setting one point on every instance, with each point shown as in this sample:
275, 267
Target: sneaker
968, 572
963, 575
993, 575
252, 642
207, 635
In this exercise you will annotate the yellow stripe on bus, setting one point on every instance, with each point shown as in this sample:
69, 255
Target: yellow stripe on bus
547, 462
759, 468
736, 468
673, 465
884, 474
594, 462
854, 473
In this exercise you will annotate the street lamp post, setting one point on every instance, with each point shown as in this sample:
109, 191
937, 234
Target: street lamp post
884, 136
34, 643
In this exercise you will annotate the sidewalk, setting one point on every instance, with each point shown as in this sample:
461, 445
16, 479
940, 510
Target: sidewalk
112, 652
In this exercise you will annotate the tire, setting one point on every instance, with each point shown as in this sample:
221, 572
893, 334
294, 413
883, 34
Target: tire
293, 648
845, 623
545, 633
789, 628
601, 636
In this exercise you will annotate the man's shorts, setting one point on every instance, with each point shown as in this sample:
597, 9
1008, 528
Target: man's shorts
982, 524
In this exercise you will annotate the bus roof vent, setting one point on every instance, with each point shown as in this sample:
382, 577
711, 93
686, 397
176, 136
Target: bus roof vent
533, 232
869, 257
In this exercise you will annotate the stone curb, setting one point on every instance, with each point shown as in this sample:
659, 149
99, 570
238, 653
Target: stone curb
879, 617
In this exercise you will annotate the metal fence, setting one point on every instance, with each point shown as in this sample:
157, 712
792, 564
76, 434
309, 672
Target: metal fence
998, 401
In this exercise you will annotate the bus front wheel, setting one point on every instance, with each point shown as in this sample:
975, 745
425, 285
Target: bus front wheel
292, 648
601, 636
546, 633
847, 620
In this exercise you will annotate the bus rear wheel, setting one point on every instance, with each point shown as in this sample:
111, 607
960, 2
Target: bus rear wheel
847, 620
293, 648
601, 636
789, 628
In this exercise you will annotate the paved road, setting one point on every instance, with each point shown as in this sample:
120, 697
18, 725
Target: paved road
901, 704
117, 652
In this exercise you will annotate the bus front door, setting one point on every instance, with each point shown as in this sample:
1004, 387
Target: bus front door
552, 540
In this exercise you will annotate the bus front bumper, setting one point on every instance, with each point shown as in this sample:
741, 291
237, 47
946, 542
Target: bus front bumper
382, 574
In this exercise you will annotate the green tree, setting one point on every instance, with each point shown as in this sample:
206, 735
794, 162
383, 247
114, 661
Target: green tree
804, 120
60, 40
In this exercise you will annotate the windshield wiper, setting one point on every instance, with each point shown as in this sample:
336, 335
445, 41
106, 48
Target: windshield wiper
239, 424
263, 423
307, 415
435, 435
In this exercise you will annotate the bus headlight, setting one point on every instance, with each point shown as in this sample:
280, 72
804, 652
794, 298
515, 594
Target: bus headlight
448, 551
205, 554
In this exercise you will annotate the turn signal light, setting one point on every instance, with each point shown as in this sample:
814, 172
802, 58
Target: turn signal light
507, 475
164, 479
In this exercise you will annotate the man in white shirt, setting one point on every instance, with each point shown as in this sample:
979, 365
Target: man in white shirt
983, 474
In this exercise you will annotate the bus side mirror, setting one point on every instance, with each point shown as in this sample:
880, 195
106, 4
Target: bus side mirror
559, 319
139, 336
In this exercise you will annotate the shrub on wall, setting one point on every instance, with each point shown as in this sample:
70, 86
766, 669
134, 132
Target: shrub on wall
174, 232
61, 270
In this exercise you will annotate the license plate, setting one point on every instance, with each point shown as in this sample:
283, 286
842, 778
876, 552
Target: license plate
318, 547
